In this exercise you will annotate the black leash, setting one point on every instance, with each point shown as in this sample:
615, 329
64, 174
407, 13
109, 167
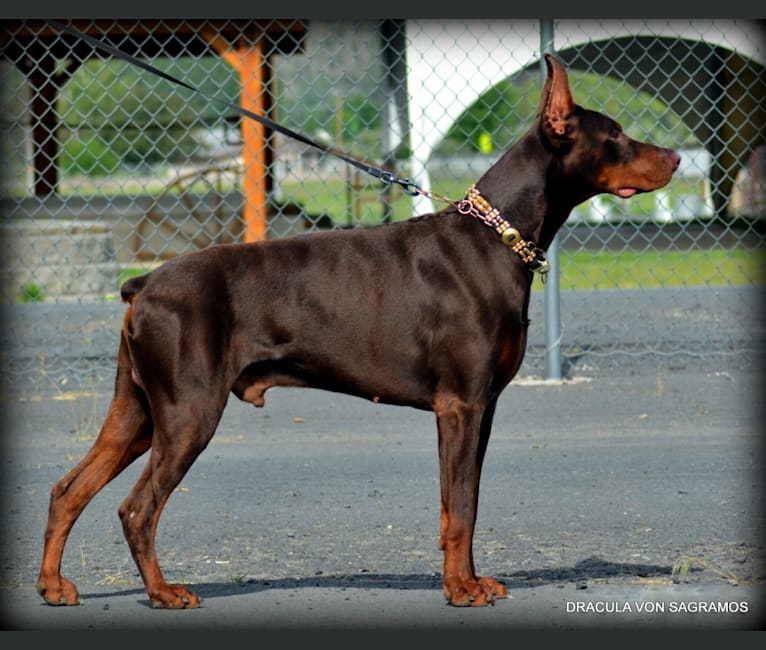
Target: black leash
383, 175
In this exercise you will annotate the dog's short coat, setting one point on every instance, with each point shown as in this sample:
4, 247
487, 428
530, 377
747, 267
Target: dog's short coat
429, 313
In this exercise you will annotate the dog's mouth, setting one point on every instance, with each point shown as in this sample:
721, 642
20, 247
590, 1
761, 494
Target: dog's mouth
631, 190
652, 179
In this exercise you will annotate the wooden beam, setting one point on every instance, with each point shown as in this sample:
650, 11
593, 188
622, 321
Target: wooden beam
44, 122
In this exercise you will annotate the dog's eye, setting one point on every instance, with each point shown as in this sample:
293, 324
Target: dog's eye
615, 132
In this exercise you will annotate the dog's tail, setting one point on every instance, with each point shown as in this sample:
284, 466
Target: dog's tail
132, 287
129, 292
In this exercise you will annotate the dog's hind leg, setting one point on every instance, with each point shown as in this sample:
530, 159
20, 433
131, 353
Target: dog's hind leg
464, 432
182, 429
125, 435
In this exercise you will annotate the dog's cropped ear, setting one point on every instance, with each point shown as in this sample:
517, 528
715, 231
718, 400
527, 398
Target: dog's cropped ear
556, 104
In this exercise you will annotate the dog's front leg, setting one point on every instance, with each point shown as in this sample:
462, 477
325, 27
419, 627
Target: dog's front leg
463, 435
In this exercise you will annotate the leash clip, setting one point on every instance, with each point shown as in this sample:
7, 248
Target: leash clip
540, 265
408, 187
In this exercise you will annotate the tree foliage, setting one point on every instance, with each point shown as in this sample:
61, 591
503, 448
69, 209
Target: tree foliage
115, 111
506, 110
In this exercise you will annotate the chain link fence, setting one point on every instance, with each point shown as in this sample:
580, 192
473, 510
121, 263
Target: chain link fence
107, 170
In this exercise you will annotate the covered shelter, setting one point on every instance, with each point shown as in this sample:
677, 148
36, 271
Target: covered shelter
48, 58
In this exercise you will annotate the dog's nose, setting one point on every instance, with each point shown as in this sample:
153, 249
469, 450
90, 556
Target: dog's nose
675, 158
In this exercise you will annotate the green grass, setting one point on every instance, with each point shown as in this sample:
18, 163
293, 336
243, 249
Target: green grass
31, 292
624, 270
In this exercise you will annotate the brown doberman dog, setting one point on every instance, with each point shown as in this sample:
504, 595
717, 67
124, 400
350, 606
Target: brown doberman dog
430, 313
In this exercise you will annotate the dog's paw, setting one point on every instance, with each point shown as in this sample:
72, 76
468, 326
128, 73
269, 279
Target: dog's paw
174, 597
59, 591
473, 593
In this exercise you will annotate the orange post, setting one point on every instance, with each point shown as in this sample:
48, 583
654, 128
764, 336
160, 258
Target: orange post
248, 61
254, 143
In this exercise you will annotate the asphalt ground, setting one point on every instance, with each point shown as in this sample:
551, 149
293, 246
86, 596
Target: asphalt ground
629, 496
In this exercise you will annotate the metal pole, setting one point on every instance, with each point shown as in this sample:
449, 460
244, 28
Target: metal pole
552, 292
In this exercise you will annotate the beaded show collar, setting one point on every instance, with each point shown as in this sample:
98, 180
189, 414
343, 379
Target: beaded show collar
477, 206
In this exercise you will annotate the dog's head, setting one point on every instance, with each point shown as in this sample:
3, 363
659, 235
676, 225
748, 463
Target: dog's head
594, 146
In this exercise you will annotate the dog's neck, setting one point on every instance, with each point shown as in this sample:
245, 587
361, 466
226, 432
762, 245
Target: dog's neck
518, 191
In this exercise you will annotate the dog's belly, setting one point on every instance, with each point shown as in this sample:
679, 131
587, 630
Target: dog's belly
388, 383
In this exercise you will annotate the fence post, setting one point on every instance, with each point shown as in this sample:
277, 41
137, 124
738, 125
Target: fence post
552, 293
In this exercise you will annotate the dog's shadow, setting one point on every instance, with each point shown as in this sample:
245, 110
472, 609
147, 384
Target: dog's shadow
592, 568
